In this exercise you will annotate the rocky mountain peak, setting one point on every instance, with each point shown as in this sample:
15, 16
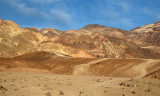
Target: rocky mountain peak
9, 23
93, 26
157, 22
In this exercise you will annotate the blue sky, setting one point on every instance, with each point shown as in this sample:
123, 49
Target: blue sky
75, 14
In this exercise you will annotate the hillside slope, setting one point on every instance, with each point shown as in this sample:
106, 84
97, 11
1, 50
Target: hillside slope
91, 41
45, 62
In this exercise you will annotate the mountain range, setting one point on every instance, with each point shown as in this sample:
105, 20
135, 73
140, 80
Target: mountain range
90, 41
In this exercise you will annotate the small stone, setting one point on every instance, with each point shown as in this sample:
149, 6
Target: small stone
149, 90
61, 93
122, 84
128, 85
135, 85
133, 92
16, 89
45, 85
131, 79
48, 94
2, 88
123, 94
98, 80
5, 80
81, 92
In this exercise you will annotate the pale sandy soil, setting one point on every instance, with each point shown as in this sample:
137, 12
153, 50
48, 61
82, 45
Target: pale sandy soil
40, 84
79, 77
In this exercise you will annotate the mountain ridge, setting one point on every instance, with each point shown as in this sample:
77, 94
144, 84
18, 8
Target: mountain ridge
92, 40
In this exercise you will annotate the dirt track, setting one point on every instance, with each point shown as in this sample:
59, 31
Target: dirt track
40, 78
83, 69
141, 69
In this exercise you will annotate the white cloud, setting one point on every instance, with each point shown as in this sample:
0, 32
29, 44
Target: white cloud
43, 1
110, 14
150, 12
124, 6
60, 15
158, 16
22, 7
126, 22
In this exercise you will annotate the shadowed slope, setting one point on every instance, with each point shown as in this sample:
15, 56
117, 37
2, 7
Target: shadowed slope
51, 63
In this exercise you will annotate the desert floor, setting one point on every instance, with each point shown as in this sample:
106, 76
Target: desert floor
38, 84
59, 76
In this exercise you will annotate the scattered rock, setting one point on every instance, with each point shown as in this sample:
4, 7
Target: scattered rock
148, 90
81, 92
48, 94
45, 85
131, 80
133, 92
5, 80
123, 94
61, 93
122, 84
127, 85
16, 89
135, 85
2, 88
59, 83
99, 80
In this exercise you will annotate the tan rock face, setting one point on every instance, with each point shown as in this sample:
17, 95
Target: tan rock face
90, 41
148, 35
